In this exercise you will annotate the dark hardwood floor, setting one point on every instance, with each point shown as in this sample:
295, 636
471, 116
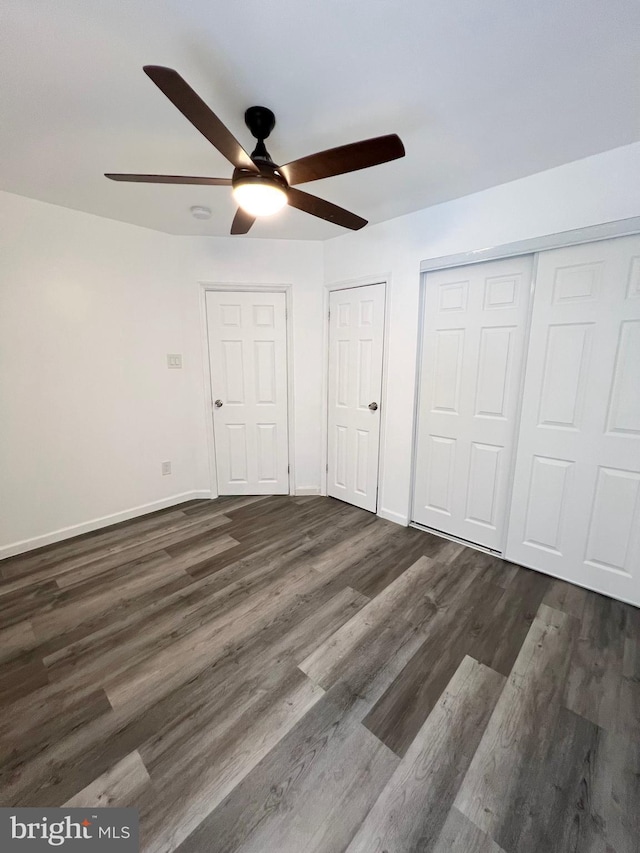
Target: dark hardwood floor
295, 675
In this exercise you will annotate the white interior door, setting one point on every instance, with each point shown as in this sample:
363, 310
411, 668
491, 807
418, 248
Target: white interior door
474, 328
248, 361
356, 329
576, 498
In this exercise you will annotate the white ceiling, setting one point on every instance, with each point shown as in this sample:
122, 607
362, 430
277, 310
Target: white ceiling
480, 92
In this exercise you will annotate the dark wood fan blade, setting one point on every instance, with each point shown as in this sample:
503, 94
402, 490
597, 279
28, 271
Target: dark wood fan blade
242, 222
345, 158
170, 179
324, 209
199, 114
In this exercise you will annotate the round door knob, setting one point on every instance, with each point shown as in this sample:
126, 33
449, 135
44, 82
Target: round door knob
373, 406
218, 404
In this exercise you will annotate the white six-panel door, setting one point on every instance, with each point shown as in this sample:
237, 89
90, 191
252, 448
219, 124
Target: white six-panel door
474, 328
576, 499
356, 328
248, 368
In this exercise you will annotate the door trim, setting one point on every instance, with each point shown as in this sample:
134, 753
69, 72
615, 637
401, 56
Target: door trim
384, 279
556, 240
205, 286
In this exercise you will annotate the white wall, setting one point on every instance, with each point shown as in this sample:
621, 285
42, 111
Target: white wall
598, 189
89, 309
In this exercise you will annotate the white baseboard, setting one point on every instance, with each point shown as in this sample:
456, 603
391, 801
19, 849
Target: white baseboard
96, 523
396, 517
307, 491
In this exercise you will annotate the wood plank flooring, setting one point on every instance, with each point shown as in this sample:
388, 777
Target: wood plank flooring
294, 674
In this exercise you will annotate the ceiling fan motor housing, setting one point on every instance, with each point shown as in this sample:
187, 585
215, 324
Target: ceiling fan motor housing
268, 174
260, 121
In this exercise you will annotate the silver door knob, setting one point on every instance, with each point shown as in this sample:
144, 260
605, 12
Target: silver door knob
218, 404
373, 406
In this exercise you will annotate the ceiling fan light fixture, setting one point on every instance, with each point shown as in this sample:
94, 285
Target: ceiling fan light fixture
260, 186
259, 195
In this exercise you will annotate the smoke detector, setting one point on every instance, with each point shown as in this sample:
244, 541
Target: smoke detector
200, 212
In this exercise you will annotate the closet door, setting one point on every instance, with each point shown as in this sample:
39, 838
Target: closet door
576, 498
473, 341
356, 332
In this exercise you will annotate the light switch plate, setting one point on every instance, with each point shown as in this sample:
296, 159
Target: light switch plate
174, 360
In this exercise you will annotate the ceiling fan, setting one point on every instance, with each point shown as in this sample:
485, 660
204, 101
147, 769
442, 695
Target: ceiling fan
259, 185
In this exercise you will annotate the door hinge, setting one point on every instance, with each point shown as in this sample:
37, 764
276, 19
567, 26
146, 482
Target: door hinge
288, 469
327, 468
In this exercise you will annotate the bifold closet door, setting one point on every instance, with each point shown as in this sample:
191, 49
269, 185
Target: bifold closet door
576, 497
247, 334
473, 341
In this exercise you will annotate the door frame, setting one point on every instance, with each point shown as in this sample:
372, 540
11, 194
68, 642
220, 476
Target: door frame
243, 287
384, 279
533, 246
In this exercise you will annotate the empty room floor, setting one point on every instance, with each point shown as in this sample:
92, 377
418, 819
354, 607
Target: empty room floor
295, 674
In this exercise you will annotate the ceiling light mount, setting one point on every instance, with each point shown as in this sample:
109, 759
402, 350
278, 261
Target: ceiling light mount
260, 121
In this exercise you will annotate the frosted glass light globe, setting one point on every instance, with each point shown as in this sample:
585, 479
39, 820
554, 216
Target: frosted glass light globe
260, 199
